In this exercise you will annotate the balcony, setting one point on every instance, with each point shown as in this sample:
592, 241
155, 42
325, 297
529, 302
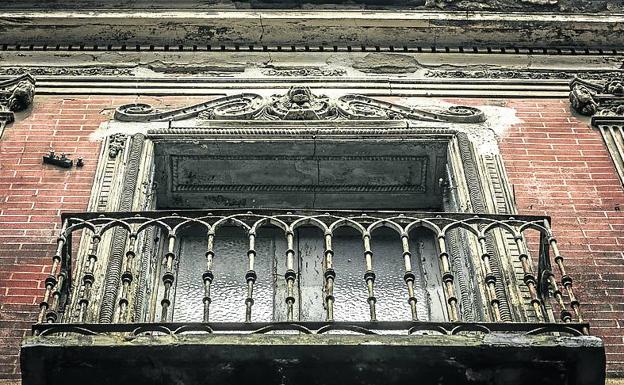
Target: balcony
309, 297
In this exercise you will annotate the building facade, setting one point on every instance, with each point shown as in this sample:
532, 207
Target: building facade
368, 192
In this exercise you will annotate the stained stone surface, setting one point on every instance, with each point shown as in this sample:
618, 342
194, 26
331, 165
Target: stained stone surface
481, 5
315, 359
305, 174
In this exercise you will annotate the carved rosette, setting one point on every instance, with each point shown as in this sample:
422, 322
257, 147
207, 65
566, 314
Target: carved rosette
600, 100
299, 103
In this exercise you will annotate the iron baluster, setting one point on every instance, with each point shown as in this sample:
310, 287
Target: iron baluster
409, 277
168, 277
290, 275
53, 282
126, 278
566, 282
208, 275
529, 278
369, 276
88, 277
448, 280
330, 276
250, 276
490, 280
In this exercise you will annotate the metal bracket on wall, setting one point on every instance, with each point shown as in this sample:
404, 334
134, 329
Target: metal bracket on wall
61, 161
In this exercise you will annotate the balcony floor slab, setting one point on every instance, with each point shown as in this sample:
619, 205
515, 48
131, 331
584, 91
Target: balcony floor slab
488, 359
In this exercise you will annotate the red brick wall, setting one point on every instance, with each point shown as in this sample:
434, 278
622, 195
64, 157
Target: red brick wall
32, 195
558, 165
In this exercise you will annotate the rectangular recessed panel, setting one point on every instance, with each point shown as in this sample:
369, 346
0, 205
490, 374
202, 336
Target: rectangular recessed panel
400, 174
299, 173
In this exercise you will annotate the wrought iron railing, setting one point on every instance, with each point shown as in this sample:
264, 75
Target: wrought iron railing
549, 290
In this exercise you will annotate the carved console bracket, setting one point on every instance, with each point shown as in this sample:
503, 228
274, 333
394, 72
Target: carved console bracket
15, 95
299, 103
604, 102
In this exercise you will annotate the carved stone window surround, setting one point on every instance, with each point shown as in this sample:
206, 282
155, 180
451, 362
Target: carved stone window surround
132, 160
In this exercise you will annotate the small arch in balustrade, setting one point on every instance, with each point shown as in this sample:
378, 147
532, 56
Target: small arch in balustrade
149, 329
231, 220
80, 225
347, 222
282, 327
462, 224
535, 226
153, 222
67, 329
425, 328
313, 221
424, 223
266, 221
386, 223
547, 329
470, 328
345, 327
191, 222
193, 328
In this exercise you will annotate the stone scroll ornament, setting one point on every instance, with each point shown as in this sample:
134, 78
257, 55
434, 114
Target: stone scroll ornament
15, 95
299, 103
600, 100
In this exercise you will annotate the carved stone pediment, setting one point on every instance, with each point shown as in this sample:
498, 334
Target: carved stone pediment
15, 95
300, 103
601, 100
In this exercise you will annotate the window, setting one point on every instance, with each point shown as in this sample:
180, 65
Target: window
306, 154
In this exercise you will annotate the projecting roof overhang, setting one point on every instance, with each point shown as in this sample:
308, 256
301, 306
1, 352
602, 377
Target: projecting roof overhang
270, 28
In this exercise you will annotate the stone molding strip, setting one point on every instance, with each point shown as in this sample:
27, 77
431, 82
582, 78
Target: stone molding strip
219, 86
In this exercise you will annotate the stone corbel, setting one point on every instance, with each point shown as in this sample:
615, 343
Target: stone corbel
603, 101
15, 95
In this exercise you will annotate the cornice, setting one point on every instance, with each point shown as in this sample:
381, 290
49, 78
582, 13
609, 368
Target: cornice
370, 86
260, 29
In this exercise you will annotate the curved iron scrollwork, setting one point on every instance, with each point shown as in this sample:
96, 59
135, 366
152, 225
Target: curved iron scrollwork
299, 103
359, 328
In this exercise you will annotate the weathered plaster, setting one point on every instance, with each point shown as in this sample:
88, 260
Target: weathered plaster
461, 5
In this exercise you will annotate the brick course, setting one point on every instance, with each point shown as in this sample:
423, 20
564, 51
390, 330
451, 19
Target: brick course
556, 162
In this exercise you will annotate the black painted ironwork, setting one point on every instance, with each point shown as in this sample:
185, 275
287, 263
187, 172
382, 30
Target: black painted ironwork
543, 288
368, 327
